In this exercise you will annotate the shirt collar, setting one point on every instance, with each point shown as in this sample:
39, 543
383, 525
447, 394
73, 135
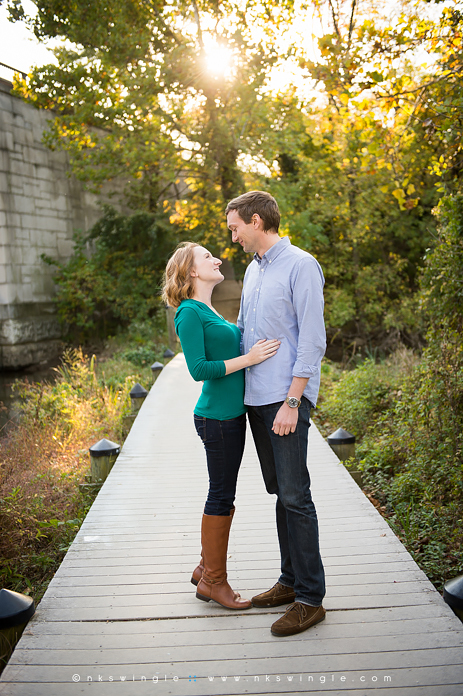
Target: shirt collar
274, 251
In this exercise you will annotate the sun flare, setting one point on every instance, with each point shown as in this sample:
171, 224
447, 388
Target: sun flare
218, 60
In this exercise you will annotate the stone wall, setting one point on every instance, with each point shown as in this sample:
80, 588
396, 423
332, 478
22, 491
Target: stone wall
41, 207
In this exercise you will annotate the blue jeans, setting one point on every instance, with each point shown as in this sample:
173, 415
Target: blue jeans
224, 444
283, 460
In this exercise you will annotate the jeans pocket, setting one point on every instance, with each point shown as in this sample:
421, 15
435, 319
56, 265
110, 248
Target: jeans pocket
200, 425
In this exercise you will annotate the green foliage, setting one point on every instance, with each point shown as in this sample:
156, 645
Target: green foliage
39, 530
406, 452
354, 178
442, 281
408, 415
140, 356
114, 276
361, 166
359, 397
138, 96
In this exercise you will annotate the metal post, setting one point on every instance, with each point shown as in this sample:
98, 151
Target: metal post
15, 611
168, 355
156, 370
453, 595
343, 445
137, 396
103, 454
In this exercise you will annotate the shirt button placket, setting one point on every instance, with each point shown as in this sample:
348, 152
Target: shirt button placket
256, 297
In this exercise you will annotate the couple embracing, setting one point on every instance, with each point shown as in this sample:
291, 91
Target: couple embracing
272, 357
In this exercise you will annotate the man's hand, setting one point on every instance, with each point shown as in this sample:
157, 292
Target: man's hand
285, 420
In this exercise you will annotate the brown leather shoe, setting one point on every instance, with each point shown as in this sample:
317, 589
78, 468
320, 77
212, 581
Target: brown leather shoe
297, 618
277, 595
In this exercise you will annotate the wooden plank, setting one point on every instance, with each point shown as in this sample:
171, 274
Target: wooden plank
186, 601
246, 649
211, 631
158, 584
64, 585
154, 610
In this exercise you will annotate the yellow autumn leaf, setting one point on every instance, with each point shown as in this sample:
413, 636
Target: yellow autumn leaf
399, 194
344, 98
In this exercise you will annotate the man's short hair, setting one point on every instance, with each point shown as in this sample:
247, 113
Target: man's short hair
258, 202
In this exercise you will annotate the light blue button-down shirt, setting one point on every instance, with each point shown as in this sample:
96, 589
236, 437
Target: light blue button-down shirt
283, 298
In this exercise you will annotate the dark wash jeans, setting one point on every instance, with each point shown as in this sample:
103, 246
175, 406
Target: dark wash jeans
283, 460
224, 444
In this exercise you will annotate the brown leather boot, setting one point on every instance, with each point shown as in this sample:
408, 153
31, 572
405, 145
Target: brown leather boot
198, 571
215, 530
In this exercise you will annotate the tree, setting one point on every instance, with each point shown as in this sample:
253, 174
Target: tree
357, 179
119, 282
135, 98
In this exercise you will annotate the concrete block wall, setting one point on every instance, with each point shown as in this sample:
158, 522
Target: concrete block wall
41, 207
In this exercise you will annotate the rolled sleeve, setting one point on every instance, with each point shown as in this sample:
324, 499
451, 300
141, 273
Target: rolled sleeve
300, 369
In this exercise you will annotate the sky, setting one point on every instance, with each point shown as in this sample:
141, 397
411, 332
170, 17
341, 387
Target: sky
18, 46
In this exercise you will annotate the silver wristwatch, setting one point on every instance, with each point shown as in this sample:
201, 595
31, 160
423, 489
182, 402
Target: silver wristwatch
293, 402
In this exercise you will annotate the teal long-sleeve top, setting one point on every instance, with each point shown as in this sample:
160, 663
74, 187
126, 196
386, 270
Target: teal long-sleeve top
207, 340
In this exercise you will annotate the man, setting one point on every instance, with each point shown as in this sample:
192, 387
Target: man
283, 298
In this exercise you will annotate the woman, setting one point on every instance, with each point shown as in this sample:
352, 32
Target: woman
211, 346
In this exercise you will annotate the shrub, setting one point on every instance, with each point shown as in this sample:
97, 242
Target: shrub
113, 278
358, 396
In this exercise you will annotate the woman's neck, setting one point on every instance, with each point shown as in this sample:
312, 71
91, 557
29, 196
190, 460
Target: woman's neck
203, 293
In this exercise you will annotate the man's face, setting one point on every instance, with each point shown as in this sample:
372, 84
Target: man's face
243, 233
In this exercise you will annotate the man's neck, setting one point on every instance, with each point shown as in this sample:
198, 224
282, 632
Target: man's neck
270, 239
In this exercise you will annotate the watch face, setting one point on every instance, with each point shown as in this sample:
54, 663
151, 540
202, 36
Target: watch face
293, 402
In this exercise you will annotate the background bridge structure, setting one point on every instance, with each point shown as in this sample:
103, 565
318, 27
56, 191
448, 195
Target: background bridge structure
120, 616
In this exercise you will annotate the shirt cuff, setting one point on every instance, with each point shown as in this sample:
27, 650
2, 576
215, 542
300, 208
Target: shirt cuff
301, 369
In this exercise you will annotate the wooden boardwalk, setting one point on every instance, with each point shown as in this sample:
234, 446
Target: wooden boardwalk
120, 618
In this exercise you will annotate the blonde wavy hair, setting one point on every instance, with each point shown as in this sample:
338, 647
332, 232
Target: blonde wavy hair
178, 283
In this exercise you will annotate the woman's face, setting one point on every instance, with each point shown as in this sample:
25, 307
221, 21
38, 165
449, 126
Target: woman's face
206, 267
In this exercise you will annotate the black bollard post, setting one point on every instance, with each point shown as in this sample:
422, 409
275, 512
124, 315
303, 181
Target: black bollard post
137, 396
15, 611
343, 445
453, 595
156, 370
168, 355
103, 454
